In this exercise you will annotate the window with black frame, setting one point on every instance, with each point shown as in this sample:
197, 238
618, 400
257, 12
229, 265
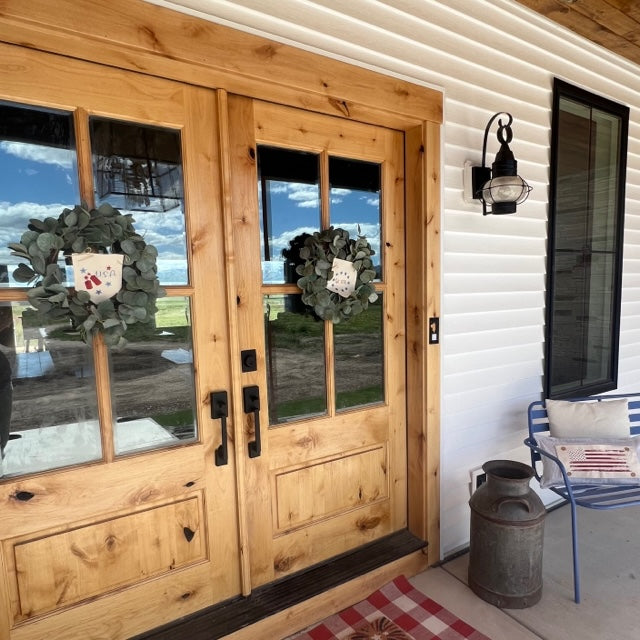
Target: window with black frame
586, 218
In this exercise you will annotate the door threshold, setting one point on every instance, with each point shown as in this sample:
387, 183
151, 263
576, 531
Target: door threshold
231, 615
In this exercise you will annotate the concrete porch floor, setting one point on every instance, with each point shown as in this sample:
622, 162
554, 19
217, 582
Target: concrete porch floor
610, 581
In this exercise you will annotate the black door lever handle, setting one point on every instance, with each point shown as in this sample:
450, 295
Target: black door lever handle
220, 409
251, 403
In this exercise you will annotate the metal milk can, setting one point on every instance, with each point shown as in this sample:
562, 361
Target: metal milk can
507, 529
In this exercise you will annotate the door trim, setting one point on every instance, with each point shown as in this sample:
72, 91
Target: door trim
146, 38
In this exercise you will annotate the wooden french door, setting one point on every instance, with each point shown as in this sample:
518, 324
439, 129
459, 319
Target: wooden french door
331, 474
120, 511
117, 515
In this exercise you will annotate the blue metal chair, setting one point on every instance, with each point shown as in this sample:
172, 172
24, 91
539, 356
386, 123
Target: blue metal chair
591, 496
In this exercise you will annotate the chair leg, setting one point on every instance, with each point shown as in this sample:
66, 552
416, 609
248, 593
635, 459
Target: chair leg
576, 563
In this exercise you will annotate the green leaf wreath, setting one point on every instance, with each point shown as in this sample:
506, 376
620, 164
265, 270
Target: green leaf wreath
318, 253
101, 230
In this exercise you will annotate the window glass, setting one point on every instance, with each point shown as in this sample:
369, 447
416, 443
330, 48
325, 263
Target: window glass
290, 210
48, 402
355, 201
585, 248
295, 359
48, 406
359, 358
152, 381
138, 170
289, 207
39, 174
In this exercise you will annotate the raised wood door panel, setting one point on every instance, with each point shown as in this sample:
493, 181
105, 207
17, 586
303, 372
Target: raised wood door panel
332, 472
131, 539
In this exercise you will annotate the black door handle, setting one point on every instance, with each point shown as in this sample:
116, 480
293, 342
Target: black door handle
251, 403
220, 409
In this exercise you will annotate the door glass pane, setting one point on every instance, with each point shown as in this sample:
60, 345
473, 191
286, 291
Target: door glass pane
48, 411
359, 358
289, 208
295, 359
39, 174
152, 381
355, 201
138, 170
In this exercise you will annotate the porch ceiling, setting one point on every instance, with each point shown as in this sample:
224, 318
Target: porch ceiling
613, 24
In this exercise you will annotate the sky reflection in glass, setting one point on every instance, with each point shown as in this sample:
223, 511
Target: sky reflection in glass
138, 169
290, 203
39, 174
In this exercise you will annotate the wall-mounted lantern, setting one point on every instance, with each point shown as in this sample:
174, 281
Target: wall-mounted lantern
500, 186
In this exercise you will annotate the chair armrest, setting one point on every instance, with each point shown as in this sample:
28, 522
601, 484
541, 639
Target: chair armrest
533, 445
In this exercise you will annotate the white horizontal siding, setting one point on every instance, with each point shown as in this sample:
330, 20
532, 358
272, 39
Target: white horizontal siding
483, 322
467, 344
486, 56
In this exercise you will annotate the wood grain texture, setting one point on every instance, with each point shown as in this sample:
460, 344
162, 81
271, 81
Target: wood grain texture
330, 537
236, 435
325, 489
100, 356
325, 437
151, 604
432, 297
56, 82
212, 345
218, 144
614, 24
394, 255
278, 510
423, 359
143, 37
68, 567
51, 543
248, 312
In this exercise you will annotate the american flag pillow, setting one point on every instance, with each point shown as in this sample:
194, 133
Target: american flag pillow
589, 460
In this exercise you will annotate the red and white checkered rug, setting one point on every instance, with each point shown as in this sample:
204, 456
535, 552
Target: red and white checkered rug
397, 611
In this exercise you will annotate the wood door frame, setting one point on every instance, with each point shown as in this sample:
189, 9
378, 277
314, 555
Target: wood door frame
138, 36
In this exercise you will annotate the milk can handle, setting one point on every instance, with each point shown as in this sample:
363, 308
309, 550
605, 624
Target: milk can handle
500, 501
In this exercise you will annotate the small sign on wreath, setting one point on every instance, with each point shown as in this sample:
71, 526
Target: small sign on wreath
337, 275
99, 274
115, 273
343, 280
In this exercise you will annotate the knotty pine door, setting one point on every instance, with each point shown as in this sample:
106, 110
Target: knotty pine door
119, 510
331, 474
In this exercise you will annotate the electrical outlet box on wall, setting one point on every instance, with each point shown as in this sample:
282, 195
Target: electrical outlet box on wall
478, 478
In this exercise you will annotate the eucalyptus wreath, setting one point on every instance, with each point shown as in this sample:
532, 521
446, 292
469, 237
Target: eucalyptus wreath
101, 230
318, 252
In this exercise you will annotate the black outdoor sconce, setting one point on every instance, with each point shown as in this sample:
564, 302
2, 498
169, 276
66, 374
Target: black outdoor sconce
499, 186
